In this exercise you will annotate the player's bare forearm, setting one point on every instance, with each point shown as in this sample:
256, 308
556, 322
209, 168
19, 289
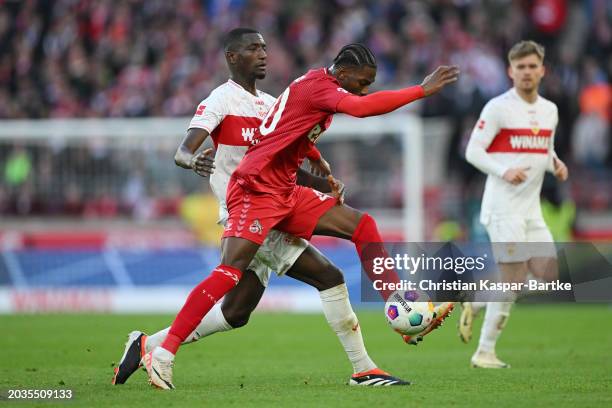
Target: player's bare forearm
306, 179
192, 141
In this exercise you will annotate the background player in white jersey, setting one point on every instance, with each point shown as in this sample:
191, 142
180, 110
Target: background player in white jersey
513, 143
231, 115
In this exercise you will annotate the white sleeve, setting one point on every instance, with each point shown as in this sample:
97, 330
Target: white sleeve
551, 150
209, 113
483, 134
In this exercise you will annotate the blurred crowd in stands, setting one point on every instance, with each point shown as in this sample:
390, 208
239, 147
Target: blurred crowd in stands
139, 58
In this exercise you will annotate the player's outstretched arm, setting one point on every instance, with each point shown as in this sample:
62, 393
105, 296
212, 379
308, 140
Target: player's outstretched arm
382, 102
203, 162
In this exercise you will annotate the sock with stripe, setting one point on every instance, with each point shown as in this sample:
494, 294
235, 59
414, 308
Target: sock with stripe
369, 245
201, 299
213, 322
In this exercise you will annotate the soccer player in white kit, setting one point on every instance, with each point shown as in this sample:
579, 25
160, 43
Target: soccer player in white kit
513, 143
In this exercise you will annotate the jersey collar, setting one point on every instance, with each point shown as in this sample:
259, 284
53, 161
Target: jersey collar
236, 84
516, 95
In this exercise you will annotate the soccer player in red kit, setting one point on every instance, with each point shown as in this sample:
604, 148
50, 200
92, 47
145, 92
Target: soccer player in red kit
263, 193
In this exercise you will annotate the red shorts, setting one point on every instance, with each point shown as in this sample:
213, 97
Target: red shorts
253, 214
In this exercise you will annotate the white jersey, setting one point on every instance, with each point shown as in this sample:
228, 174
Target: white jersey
232, 116
513, 133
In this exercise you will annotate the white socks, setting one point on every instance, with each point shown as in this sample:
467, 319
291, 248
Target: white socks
478, 306
213, 322
495, 320
344, 323
337, 310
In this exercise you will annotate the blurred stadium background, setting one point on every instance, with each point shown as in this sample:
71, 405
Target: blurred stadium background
96, 95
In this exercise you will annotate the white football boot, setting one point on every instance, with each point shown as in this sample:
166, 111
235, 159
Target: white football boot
482, 359
159, 364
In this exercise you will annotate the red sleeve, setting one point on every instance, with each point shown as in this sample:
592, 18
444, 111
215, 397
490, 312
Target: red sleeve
379, 102
325, 95
314, 154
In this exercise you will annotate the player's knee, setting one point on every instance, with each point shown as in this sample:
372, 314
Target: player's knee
366, 229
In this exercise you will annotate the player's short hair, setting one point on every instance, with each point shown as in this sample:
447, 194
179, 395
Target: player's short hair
234, 38
525, 48
355, 55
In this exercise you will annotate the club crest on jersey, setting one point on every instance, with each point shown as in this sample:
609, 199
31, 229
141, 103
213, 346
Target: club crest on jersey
256, 227
248, 134
481, 124
322, 196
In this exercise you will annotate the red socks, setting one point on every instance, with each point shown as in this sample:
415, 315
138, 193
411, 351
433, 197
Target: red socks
201, 299
369, 245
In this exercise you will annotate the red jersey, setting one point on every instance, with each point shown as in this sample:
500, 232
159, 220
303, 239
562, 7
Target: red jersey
288, 132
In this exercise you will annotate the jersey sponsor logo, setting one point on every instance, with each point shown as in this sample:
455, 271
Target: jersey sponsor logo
229, 225
248, 135
256, 227
236, 130
521, 141
200, 110
342, 90
315, 133
481, 124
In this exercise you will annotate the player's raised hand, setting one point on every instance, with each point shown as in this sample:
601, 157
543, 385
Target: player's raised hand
320, 167
337, 188
442, 76
561, 172
203, 163
516, 175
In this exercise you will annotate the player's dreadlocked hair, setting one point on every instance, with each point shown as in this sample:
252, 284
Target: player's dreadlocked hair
234, 37
355, 55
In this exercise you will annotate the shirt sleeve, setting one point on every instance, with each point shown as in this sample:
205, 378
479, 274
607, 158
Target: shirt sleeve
326, 95
209, 113
379, 103
483, 134
551, 150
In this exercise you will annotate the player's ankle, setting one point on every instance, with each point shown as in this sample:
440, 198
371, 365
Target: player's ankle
161, 353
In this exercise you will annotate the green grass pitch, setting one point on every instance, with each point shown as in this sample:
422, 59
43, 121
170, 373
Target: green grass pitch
561, 356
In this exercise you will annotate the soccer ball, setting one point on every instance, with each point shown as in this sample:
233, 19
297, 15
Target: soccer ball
409, 312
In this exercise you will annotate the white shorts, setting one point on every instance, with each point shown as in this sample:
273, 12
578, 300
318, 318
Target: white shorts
517, 239
278, 253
